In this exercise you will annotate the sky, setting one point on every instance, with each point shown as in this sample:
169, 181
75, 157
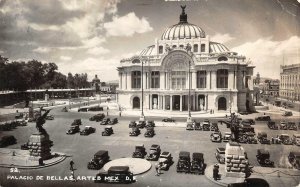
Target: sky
92, 36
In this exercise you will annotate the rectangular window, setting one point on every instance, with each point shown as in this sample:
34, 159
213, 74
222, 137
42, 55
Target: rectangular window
222, 78
136, 79
160, 49
195, 48
201, 79
155, 79
202, 47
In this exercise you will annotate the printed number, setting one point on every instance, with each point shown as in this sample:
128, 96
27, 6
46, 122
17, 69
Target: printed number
14, 170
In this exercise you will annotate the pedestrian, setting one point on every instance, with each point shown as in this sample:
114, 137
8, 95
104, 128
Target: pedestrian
216, 172
157, 168
72, 165
73, 176
120, 113
106, 113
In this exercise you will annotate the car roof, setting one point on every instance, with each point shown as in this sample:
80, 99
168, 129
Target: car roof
101, 152
263, 151
297, 135
165, 153
108, 127
198, 155
154, 146
140, 145
184, 154
87, 126
227, 133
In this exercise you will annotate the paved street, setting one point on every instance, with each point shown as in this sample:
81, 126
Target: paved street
120, 144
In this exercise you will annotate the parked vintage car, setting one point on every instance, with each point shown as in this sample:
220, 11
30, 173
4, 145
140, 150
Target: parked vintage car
251, 139
105, 121
189, 126
227, 136
132, 124
272, 125
96, 108
263, 138
206, 125
214, 127
197, 126
113, 121
108, 130
285, 139
140, 151
150, 124
292, 126
276, 140
73, 129
21, 122
283, 125
263, 118
166, 159
248, 121
115, 174
184, 162
7, 140
100, 158
263, 158
294, 159
97, 117
76, 122
84, 109
296, 139
149, 132
197, 164
287, 113
154, 153
168, 120
87, 130
135, 131
220, 155
250, 182
141, 124
216, 136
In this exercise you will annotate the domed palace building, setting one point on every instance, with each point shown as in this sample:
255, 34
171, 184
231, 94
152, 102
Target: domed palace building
183, 62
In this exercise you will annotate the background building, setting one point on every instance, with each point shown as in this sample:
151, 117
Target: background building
185, 57
290, 82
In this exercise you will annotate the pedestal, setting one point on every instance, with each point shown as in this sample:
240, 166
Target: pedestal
235, 161
39, 146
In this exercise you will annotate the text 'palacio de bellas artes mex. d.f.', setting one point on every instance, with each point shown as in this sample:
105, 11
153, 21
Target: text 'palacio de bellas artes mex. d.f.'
185, 60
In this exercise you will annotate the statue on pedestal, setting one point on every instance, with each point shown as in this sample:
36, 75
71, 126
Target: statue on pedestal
41, 121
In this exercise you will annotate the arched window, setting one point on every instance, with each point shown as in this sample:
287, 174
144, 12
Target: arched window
222, 78
135, 79
222, 103
222, 58
174, 46
136, 103
178, 79
195, 48
160, 49
181, 46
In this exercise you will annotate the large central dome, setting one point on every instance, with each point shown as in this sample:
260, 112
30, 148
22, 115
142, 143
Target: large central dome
183, 30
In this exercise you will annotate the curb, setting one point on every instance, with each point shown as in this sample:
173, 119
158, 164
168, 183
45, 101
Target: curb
63, 157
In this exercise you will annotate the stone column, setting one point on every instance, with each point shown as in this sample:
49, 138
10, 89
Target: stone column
196, 102
180, 103
163, 102
129, 81
171, 102
120, 81
194, 80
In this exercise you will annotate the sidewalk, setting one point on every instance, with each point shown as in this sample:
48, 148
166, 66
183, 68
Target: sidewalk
21, 159
274, 176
